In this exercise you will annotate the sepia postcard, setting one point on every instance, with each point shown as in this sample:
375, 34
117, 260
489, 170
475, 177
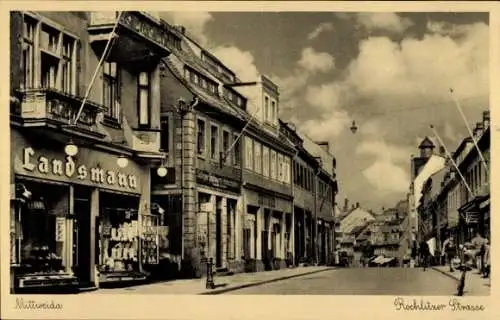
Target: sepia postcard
248, 160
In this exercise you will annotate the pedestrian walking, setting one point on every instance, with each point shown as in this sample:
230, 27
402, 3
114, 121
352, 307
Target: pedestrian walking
449, 251
478, 246
487, 260
424, 253
414, 252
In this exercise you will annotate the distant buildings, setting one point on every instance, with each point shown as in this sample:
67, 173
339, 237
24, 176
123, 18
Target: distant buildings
450, 206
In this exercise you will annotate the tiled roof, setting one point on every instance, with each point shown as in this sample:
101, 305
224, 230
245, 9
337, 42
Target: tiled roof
215, 102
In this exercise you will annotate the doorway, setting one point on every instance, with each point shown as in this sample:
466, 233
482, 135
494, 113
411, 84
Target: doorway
218, 234
81, 235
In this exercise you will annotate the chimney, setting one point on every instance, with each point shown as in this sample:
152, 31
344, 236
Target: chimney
353, 207
181, 29
486, 119
357, 204
346, 204
325, 146
442, 151
478, 132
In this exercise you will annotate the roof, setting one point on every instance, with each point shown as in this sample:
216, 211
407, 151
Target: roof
426, 143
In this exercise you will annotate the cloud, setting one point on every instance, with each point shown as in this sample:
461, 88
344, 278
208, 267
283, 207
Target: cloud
384, 172
386, 177
326, 97
380, 150
412, 68
194, 21
322, 27
387, 21
239, 61
316, 61
326, 128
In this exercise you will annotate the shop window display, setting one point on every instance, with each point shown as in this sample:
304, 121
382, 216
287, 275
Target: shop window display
150, 239
41, 234
118, 243
38, 235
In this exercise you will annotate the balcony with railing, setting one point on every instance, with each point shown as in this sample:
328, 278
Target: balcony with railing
139, 36
46, 107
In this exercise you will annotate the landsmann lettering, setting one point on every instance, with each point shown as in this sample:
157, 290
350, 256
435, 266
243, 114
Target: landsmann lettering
69, 169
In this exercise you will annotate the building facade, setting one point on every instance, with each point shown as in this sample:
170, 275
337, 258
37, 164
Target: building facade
467, 206
314, 190
84, 137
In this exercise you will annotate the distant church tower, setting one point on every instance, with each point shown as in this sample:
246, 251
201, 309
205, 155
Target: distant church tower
426, 150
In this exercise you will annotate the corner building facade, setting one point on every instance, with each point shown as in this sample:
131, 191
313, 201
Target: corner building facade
81, 215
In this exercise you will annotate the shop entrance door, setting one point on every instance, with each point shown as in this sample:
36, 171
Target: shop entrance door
218, 238
82, 247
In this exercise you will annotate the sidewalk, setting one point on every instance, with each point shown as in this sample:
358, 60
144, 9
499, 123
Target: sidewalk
222, 284
475, 285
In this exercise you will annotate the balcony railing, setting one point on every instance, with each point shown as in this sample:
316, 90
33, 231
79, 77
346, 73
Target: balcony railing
141, 23
41, 106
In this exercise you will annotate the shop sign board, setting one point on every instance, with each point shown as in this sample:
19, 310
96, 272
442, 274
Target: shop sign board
211, 180
71, 169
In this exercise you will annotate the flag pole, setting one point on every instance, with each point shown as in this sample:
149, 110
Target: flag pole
457, 104
451, 159
96, 71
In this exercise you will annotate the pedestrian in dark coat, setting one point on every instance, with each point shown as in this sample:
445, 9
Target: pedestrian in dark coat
424, 254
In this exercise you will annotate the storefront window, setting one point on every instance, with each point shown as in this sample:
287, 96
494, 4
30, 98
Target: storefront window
42, 231
118, 230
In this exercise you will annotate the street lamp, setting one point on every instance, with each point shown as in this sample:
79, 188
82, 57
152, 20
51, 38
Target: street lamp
122, 161
71, 148
354, 127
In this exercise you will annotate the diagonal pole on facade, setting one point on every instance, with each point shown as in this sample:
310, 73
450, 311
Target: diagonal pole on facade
452, 161
107, 49
457, 104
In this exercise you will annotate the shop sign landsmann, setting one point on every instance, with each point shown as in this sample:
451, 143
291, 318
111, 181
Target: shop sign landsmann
70, 169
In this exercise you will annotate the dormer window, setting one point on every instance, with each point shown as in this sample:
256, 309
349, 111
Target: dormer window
201, 81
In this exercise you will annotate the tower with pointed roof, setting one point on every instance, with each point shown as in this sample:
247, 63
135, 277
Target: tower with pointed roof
426, 148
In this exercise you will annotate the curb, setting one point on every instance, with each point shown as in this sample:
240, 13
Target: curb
253, 284
446, 273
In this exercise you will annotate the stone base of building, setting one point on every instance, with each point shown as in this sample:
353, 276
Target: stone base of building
236, 266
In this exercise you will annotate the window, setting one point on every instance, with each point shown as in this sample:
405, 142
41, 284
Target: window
111, 90
266, 108
273, 165
57, 70
280, 167
225, 145
265, 161
144, 99
236, 150
214, 139
287, 170
49, 39
28, 55
201, 136
67, 64
273, 112
165, 136
258, 157
248, 153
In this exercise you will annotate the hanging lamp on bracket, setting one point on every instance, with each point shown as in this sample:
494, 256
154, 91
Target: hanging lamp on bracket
354, 127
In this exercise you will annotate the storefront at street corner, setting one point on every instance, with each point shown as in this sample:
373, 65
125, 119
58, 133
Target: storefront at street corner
267, 228
77, 221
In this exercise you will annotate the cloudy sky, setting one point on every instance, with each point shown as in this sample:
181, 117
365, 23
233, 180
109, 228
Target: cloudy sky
390, 72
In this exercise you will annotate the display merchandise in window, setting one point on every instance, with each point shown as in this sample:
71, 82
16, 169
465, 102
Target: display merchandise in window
150, 239
40, 227
118, 242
